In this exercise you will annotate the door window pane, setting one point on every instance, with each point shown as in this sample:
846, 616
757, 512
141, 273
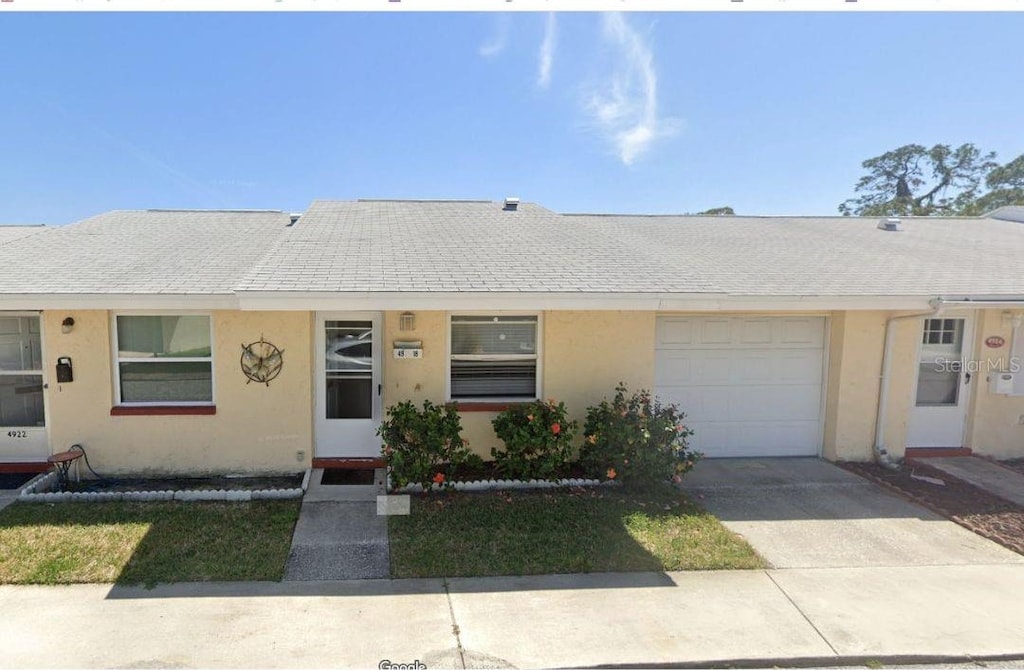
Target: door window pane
937, 386
349, 346
20, 347
349, 396
21, 401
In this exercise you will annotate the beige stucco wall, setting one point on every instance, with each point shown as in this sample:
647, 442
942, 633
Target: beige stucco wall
851, 398
583, 356
994, 427
256, 427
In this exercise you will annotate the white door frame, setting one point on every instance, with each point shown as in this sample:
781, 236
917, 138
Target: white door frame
29, 444
359, 435
942, 426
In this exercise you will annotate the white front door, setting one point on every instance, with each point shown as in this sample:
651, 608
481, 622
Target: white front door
22, 417
940, 396
348, 384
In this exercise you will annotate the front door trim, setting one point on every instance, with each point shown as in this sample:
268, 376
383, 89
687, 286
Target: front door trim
942, 427
357, 439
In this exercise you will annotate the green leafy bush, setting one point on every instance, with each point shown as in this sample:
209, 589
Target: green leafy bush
538, 440
423, 446
637, 440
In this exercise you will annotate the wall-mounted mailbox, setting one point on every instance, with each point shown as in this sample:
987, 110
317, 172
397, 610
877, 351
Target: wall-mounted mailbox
64, 373
1001, 383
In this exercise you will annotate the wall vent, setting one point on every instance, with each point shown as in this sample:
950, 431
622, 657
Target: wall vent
891, 223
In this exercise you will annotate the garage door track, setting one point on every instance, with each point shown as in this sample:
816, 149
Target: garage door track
808, 513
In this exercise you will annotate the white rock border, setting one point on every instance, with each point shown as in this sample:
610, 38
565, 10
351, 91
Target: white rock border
507, 484
38, 490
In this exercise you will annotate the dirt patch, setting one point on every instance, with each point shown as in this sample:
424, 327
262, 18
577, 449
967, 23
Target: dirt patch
973, 508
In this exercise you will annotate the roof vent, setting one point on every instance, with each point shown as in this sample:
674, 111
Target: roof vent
511, 204
892, 223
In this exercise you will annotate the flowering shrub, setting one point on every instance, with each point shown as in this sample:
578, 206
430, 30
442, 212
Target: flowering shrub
423, 446
636, 440
538, 440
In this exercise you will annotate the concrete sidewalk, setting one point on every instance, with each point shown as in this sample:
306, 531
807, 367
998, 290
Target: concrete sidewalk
996, 479
832, 615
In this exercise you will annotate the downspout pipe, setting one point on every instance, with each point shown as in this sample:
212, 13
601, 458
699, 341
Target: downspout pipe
880, 452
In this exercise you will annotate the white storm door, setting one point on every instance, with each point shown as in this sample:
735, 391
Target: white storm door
348, 384
940, 396
22, 416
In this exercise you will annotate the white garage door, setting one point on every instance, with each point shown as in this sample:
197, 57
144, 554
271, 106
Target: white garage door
750, 386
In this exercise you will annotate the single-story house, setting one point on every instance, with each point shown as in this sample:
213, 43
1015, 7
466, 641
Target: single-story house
169, 341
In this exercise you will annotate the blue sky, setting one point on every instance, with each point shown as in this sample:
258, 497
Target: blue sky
770, 113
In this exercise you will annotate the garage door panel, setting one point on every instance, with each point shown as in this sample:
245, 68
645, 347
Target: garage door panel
674, 331
806, 332
716, 331
750, 386
755, 331
799, 403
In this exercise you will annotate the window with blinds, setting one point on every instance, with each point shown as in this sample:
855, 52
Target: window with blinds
493, 357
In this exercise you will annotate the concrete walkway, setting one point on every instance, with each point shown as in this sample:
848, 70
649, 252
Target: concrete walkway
1006, 483
808, 513
824, 616
8, 496
339, 534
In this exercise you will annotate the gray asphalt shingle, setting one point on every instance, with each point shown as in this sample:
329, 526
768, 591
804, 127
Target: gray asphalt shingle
141, 252
476, 246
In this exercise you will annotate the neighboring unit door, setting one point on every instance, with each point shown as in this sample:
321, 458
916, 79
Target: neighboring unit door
22, 416
348, 379
750, 386
940, 396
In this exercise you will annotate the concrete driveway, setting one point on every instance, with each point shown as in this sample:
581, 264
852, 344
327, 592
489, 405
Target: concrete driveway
808, 513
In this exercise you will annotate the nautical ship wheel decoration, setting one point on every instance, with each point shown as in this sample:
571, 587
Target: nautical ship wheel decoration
261, 361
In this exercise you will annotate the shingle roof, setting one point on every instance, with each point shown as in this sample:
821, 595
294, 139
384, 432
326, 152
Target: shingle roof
141, 252
10, 233
433, 247
477, 246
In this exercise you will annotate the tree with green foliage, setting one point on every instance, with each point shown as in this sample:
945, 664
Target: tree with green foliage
1006, 187
914, 180
718, 211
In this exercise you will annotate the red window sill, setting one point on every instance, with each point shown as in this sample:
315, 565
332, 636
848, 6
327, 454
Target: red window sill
465, 406
162, 410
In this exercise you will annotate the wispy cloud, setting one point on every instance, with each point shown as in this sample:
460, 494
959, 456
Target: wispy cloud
624, 107
547, 52
499, 40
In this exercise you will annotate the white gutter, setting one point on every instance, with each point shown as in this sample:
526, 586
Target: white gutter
881, 454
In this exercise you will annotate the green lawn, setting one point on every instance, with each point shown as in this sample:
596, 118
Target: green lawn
580, 530
132, 543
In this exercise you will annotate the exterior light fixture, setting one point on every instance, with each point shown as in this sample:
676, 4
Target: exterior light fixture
67, 325
407, 321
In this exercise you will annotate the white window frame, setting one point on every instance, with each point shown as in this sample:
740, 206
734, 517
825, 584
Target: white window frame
117, 360
539, 356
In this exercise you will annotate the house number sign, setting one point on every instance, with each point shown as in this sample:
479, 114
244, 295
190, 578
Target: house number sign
994, 342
